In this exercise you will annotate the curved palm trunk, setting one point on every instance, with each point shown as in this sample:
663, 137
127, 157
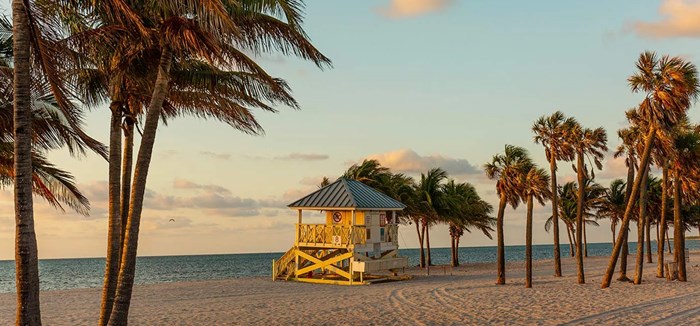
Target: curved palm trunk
678, 249
579, 220
641, 224
114, 231
613, 226
625, 234
607, 277
26, 256
555, 216
127, 165
421, 261
500, 251
528, 244
122, 301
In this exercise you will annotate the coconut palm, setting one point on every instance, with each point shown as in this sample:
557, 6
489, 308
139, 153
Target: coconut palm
550, 131
588, 144
567, 213
508, 169
628, 149
642, 221
534, 185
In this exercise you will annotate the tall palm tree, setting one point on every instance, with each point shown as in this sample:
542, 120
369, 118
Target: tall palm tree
206, 32
670, 85
686, 170
550, 131
591, 144
642, 221
534, 186
628, 149
508, 169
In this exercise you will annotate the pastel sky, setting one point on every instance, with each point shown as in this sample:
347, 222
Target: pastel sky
415, 84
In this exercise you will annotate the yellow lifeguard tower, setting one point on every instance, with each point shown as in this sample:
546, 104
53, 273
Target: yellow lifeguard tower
358, 242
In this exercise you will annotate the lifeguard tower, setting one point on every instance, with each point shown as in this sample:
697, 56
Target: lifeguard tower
358, 242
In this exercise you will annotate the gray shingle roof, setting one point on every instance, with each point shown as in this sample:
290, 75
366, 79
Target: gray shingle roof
346, 193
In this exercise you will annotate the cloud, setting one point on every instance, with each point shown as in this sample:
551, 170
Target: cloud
186, 184
303, 157
408, 161
217, 156
411, 8
681, 18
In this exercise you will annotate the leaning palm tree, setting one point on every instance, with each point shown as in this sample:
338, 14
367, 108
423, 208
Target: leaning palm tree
534, 186
670, 85
508, 169
550, 131
628, 149
591, 144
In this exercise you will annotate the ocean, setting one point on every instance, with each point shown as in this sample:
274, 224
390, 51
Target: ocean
60, 274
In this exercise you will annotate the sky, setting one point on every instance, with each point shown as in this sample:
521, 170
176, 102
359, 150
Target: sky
415, 84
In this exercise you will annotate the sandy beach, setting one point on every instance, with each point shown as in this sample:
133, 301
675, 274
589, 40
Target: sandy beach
468, 296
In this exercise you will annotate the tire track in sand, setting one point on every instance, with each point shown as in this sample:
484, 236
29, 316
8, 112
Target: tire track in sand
610, 315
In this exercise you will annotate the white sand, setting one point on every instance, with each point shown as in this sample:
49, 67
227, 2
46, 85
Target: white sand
469, 296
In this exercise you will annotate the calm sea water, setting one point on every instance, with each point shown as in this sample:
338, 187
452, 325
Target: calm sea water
59, 274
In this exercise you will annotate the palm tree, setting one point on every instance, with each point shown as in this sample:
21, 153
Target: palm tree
464, 210
670, 85
567, 213
628, 148
550, 131
431, 202
613, 204
685, 172
591, 144
642, 220
207, 33
508, 168
534, 186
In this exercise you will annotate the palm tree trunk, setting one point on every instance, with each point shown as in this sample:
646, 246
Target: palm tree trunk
127, 271
668, 242
579, 219
641, 223
26, 256
585, 240
678, 227
500, 251
457, 250
647, 226
607, 277
571, 242
623, 257
555, 215
114, 230
528, 244
613, 225
421, 261
452, 247
127, 165
427, 246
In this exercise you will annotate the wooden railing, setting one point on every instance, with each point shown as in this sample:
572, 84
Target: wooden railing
323, 235
281, 267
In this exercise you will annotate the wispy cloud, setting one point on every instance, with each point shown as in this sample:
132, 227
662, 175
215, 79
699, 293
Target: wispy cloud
303, 157
218, 156
411, 8
408, 161
680, 18
186, 184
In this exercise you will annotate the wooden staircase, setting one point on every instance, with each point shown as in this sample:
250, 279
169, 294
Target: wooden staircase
283, 268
